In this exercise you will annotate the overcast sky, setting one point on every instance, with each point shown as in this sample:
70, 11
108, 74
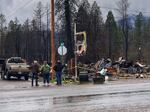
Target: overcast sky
23, 9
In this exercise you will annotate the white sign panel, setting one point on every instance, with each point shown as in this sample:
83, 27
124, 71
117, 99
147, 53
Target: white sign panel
62, 50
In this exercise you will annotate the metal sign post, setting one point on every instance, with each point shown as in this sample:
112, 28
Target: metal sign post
62, 56
80, 47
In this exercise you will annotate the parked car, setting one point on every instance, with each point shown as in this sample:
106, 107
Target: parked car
16, 67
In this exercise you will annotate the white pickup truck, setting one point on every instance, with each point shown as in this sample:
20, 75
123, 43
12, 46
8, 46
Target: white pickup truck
16, 67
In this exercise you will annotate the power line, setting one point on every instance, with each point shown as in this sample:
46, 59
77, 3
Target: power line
22, 6
131, 10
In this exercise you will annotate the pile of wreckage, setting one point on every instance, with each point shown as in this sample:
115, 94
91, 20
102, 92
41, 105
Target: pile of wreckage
107, 68
134, 68
121, 67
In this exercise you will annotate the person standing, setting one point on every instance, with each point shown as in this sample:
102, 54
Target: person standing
45, 69
58, 69
35, 71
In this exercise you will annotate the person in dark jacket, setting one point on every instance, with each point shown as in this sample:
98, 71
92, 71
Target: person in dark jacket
58, 69
35, 71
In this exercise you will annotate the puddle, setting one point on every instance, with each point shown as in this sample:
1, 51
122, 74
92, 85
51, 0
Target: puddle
85, 98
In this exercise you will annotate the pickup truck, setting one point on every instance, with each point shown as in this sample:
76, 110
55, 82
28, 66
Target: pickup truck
15, 67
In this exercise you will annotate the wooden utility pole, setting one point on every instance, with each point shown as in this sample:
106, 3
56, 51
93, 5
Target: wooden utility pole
75, 41
53, 51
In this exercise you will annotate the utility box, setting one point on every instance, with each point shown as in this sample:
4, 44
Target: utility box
99, 79
83, 77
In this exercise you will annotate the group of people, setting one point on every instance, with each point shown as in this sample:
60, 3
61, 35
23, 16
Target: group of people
46, 70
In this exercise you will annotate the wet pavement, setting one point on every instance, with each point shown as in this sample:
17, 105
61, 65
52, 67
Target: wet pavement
115, 96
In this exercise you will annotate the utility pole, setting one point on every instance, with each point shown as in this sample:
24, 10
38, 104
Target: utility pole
53, 51
47, 38
76, 60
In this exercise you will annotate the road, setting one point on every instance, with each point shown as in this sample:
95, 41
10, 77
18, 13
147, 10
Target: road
116, 96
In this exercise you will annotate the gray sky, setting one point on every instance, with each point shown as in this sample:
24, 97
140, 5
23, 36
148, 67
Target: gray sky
23, 9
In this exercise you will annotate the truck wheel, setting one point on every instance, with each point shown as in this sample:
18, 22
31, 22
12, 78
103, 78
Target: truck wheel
3, 76
26, 78
7, 76
19, 78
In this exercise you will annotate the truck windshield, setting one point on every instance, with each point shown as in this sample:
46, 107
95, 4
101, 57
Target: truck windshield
16, 61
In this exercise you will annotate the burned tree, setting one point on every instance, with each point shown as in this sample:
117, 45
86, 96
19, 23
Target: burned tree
123, 6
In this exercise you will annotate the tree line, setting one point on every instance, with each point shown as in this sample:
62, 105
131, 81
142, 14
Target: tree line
108, 38
30, 40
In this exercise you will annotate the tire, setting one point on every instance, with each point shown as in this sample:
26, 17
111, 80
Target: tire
7, 76
18, 78
3, 76
26, 78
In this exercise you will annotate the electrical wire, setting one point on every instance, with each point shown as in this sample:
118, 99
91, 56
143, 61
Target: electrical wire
22, 6
131, 10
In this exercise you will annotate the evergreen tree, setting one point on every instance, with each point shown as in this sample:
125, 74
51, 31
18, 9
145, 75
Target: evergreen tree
96, 25
83, 23
138, 30
65, 10
2, 21
83, 16
2, 33
111, 29
141, 33
10, 39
